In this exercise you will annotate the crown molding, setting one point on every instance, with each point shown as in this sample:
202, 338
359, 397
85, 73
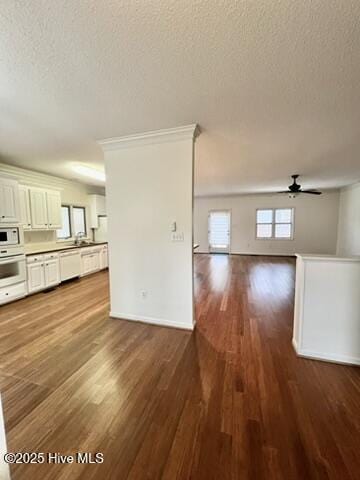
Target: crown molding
186, 132
34, 178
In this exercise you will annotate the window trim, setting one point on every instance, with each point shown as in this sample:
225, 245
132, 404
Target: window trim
64, 239
274, 223
85, 223
72, 238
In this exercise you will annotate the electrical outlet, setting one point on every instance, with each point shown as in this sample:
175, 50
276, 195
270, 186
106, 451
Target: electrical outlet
177, 237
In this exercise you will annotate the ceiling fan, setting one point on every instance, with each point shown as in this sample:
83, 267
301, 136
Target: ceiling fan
295, 188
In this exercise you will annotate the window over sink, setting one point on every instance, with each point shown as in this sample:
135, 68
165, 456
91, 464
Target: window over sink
73, 220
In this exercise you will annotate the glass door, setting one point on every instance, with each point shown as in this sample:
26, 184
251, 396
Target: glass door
219, 231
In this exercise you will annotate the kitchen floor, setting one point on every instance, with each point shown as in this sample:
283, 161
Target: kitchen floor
229, 401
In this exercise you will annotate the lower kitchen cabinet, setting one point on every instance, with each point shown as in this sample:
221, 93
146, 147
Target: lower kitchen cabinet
42, 272
52, 271
104, 259
90, 260
35, 274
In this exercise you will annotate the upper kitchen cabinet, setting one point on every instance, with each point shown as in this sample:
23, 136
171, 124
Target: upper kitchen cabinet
25, 214
97, 209
53, 200
38, 208
45, 207
9, 201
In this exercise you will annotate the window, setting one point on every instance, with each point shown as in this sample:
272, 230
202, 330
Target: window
73, 221
275, 223
65, 231
79, 220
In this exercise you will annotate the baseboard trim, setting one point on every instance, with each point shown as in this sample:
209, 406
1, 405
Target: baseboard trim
151, 320
326, 357
249, 254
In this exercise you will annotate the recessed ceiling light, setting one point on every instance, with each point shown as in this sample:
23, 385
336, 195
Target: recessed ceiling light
89, 172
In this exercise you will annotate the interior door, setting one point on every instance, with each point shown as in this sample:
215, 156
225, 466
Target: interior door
219, 231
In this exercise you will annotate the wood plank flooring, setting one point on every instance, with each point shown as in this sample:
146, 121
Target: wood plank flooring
229, 401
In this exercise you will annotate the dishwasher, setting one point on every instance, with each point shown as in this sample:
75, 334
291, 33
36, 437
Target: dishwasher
70, 264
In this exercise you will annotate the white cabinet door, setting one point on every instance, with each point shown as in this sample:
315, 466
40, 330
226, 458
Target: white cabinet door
39, 217
24, 202
9, 201
52, 272
54, 209
104, 263
86, 264
95, 264
36, 277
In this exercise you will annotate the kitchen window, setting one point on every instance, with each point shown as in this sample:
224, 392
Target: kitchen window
79, 220
65, 231
275, 223
73, 221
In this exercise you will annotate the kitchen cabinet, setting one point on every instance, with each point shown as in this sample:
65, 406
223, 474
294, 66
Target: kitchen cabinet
24, 203
43, 271
53, 201
97, 209
90, 260
9, 201
35, 275
104, 261
45, 207
38, 208
52, 270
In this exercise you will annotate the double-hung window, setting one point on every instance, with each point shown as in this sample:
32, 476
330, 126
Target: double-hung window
73, 221
275, 223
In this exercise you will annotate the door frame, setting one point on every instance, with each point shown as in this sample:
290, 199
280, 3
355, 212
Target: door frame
227, 210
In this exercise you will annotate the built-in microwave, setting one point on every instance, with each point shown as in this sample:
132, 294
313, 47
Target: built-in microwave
10, 236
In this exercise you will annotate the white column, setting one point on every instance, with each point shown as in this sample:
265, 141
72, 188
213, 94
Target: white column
149, 194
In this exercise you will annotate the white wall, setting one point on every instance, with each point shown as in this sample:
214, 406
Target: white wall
316, 220
148, 187
349, 221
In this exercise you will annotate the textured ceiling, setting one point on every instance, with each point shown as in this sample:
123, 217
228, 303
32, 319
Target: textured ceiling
274, 85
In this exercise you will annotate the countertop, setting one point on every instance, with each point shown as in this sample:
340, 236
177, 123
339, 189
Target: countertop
59, 248
327, 258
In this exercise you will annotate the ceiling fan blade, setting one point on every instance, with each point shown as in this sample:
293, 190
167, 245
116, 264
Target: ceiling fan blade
284, 191
312, 192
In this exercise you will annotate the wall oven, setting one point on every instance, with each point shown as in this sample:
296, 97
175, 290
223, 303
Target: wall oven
12, 270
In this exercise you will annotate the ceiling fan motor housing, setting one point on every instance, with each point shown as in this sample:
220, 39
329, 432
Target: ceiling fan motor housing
294, 187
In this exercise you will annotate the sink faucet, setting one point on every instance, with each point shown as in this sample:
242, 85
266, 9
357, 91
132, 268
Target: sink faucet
78, 237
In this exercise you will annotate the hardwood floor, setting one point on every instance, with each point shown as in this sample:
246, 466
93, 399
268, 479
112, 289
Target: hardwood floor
229, 401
